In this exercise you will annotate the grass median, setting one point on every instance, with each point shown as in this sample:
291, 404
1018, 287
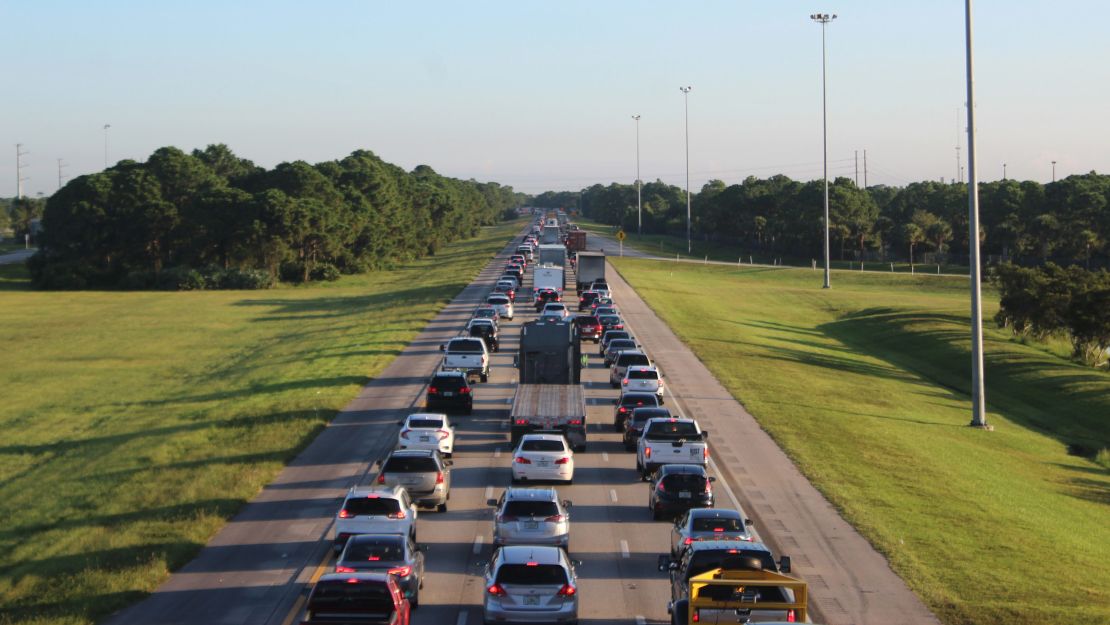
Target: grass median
135, 423
866, 387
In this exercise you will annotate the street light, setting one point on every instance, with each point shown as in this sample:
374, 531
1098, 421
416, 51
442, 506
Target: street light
824, 19
686, 99
1003, 171
978, 395
639, 205
1053, 171
106, 127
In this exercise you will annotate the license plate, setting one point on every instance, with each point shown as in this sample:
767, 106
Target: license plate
448, 394
531, 600
543, 463
684, 494
532, 525
424, 439
693, 452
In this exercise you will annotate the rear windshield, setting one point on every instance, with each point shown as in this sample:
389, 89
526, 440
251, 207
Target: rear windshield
530, 509
481, 330
643, 374
613, 335
448, 383
671, 430
639, 399
410, 464
710, 524
434, 424
709, 559
586, 321
364, 598
642, 416
609, 319
385, 549
466, 345
542, 445
589, 296
536, 575
685, 481
626, 360
500, 299
371, 506
618, 345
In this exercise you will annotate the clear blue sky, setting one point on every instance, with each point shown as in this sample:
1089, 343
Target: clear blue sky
540, 95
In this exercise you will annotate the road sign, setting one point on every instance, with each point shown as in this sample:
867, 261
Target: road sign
620, 235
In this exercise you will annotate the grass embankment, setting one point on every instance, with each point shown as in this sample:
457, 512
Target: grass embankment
866, 387
134, 424
670, 246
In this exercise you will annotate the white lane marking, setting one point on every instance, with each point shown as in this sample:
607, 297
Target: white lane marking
478, 544
497, 453
605, 456
640, 620
489, 492
624, 549
613, 494
463, 616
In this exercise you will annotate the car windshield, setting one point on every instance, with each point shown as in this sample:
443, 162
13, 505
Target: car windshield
376, 549
713, 524
710, 559
671, 431
627, 359
498, 301
643, 374
448, 383
434, 424
410, 464
528, 508
362, 598
684, 481
468, 346
371, 506
609, 319
641, 416
531, 574
542, 445
617, 345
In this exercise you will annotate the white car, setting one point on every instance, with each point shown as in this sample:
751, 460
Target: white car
641, 379
552, 309
543, 457
427, 430
374, 510
502, 303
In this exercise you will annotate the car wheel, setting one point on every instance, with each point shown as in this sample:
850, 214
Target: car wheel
616, 426
614, 384
442, 507
485, 377
415, 601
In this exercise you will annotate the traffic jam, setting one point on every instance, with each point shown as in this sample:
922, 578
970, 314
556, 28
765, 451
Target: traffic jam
718, 569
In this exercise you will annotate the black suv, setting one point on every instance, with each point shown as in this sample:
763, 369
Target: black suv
450, 390
676, 488
545, 296
634, 424
587, 299
487, 332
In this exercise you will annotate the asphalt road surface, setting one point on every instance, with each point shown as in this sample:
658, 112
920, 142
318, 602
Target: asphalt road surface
258, 568
17, 256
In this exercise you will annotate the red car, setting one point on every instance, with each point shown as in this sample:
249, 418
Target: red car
364, 598
589, 328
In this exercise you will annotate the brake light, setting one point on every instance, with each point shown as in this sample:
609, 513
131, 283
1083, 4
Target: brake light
344, 514
581, 299
532, 564
521, 422
576, 421
562, 460
374, 558
432, 390
790, 618
381, 478
443, 434
705, 453
688, 541
344, 569
718, 529
464, 390
624, 381
522, 460
697, 616
708, 488
401, 571
619, 326
400, 514
404, 434
439, 477
496, 590
623, 409
554, 518
353, 580
567, 590
662, 487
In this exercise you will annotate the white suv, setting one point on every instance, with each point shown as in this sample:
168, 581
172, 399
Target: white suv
374, 510
502, 303
554, 309
543, 457
427, 430
641, 379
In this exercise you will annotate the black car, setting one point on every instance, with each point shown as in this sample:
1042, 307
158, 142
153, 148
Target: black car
546, 296
450, 390
487, 332
609, 335
634, 424
364, 598
676, 488
627, 403
386, 553
610, 322
586, 299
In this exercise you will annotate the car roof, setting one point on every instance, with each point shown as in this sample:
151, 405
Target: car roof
639, 394
634, 352
361, 576
521, 554
672, 418
483, 321
531, 494
413, 453
428, 415
448, 374
650, 409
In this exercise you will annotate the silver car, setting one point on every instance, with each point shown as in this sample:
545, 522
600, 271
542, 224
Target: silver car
531, 516
423, 473
530, 584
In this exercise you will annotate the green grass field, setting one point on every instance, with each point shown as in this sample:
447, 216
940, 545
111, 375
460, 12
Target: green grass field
866, 387
135, 423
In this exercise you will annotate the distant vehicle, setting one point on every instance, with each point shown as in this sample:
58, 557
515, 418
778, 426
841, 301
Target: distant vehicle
519, 259
394, 554
531, 516
637, 419
363, 598
670, 441
506, 289
601, 300
622, 361
589, 328
516, 280
586, 299
555, 255
576, 239
525, 251
708, 524
487, 330
466, 354
549, 277
502, 304
676, 488
589, 267
450, 390
487, 311
543, 456
374, 510
531, 584
607, 309
610, 322
641, 378
608, 335
427, 430
627, 402
546, 296
616, 346
423, 473
557, 309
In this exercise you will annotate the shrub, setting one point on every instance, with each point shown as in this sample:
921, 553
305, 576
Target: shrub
291, 272
244, 279
325, 271
139, 280
181, 279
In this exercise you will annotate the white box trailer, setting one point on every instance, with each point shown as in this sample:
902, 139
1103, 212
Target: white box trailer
549, 277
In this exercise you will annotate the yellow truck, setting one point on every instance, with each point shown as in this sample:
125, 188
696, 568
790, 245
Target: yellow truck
731, 595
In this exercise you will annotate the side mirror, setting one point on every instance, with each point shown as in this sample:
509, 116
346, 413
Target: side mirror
576, 563
567, 503
712, 479
749, 522
442, 347
784, 564
705, 435
451, 463
616, 401
664, 563
491, 502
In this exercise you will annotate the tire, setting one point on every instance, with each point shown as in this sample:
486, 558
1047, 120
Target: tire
415, 601
442, 507
484, 377
616, 426
680, 612
614, 384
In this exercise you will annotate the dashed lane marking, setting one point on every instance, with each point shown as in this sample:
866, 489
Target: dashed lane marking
478, 540
613, 494
624, 549
463, 616
605, 456
489, 493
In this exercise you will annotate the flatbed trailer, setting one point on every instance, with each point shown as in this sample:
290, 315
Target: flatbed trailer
549, 407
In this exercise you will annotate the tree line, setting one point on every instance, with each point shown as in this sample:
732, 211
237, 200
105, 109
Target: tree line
210, 219
1026, 222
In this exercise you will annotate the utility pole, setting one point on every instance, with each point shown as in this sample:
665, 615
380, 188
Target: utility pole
959, 163
857, 168
19, 166
106, 127
1003, 171
824, 19
61, 164
865, 169
639, 203
978, 388
686, 98
1053, 171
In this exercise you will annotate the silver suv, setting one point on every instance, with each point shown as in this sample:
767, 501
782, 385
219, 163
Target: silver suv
530, 584
622, 361
422, 472
374, 510
531, 516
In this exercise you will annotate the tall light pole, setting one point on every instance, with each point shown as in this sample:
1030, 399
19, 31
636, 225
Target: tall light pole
824, 19
978, 395
686, 98
639, 204
1003, 171
1053, 171
106, 127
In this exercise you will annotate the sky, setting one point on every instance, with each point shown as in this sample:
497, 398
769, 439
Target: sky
540, 95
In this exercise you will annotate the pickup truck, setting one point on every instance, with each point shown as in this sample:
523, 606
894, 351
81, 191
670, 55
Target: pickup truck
466, 354
670, 441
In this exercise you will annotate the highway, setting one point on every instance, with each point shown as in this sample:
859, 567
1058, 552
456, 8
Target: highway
258, 568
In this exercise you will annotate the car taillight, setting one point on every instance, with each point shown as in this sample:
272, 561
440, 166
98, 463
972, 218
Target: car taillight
647, 452
401, 571
464, 390
381, 478
790, 617
562, 460
619, 326
344, 514
439, 478
496, 590
432, 390
622, 409
705, 453
521, 422
708, 488
697, 616
688, 541
404, 434
522, 460
576, 421
581, 299
554, 518
443, 434
400, 514
624, 381
662, 487
344, 569
567, 590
